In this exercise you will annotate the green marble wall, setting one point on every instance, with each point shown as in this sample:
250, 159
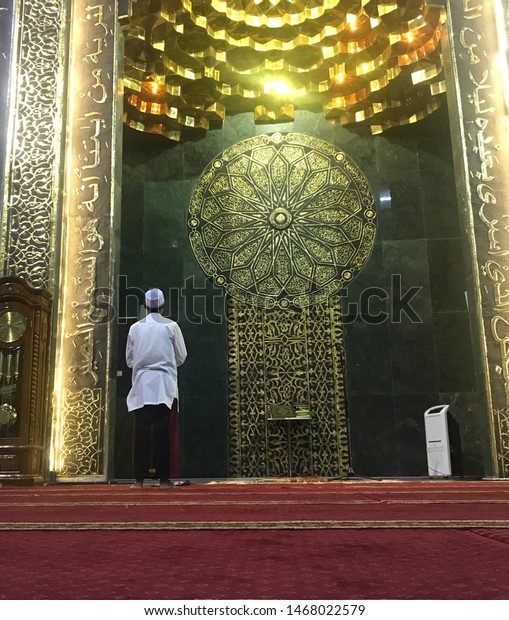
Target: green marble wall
396, 369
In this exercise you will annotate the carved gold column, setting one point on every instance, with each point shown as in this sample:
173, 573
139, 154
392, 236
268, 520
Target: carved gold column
478, 82
80, 421
33, 48
32, 186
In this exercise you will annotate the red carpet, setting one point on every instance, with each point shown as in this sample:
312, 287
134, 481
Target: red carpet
336, 540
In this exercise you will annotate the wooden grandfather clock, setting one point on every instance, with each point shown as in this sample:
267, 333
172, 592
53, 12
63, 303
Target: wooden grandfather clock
24, 344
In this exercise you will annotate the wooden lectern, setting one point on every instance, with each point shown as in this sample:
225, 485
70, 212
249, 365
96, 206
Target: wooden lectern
24, 347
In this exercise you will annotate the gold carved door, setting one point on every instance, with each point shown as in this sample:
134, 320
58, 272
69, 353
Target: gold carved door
292, 357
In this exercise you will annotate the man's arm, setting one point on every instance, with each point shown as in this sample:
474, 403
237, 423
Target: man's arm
129, 350
179, 346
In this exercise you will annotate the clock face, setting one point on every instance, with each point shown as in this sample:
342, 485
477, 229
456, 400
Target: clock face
12, 325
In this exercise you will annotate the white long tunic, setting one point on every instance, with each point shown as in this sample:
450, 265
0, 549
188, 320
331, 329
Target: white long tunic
155, 347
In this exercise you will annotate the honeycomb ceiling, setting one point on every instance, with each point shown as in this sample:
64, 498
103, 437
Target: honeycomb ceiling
188, 63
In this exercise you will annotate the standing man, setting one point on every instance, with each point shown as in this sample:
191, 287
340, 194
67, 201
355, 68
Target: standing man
155, 347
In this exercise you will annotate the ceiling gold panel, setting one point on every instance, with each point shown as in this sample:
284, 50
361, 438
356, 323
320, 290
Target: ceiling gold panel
188, 63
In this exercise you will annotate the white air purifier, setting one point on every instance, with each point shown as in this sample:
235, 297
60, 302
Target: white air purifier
437, 442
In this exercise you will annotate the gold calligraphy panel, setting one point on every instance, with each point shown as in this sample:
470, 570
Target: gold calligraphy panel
88, 245
82, 424
291, 357
32, 182
480, 78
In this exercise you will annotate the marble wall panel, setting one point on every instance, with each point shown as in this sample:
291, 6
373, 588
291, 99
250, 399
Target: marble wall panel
441, 218
411, 439
373, 435
395, 368
400, 204
448, 272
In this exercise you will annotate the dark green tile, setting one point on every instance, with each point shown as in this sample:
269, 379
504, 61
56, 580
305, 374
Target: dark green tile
312, 124
197, 155
367, 353
167, 163
400, 212
413, 356
237, 128
122, 462
162, 269
359, 145
397, 154
131, 216
371, 275
470, 425
270, 128
131, 270
440, 202
406, 258
407, 280
204, 437
448, 272
373, 435
124, 381
434, 140
454, 352
409, 412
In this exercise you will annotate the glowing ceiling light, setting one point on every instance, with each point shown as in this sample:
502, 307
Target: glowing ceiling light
279, 87
351, 21
151, 85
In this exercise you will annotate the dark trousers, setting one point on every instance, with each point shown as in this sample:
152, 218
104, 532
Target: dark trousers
151, 445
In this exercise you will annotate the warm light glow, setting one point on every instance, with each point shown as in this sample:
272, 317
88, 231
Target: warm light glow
351, 21
279, 87
56, 446
153, 87
229, 44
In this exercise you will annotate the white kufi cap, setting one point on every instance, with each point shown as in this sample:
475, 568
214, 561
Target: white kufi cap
154, 298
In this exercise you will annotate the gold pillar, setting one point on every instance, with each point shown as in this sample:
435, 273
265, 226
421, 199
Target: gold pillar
32, 188
34, 149
478, 77
84, 334
59, 220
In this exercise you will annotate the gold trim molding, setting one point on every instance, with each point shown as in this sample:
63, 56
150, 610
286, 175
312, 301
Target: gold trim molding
480, 79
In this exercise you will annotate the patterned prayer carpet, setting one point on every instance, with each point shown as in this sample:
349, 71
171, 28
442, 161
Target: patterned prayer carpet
284, 540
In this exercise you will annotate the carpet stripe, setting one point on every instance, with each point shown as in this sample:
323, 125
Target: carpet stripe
257, 525
314, 502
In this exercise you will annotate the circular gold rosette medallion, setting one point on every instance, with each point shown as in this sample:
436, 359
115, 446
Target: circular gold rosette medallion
282, 219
